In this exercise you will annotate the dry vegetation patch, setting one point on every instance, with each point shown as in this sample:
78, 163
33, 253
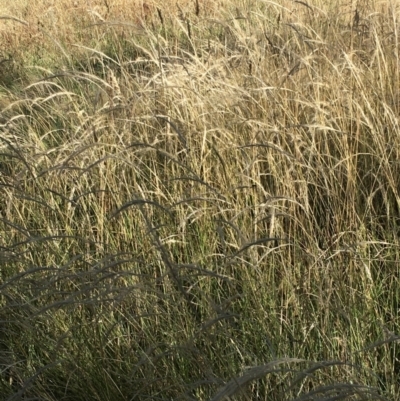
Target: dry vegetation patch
199, 200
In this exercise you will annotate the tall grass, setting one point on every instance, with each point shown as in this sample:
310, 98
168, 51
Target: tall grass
199, 201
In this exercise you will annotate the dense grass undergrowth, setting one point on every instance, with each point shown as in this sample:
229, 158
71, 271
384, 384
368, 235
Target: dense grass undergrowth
199, 201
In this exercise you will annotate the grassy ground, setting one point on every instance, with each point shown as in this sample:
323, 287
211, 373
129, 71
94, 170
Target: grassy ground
199, 200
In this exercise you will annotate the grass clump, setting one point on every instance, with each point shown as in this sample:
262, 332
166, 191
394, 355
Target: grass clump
199, 201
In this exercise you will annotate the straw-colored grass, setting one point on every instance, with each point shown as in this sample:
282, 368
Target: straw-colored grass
199, 200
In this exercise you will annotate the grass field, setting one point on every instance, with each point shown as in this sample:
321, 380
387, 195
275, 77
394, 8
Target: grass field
199, 200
